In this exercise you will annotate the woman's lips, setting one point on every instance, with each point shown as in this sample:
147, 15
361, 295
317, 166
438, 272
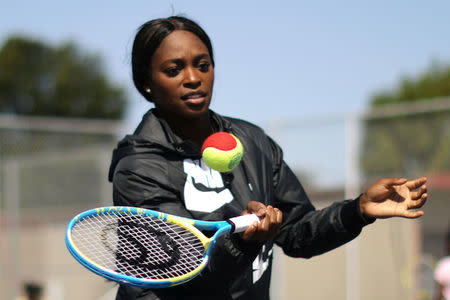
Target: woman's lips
194, 97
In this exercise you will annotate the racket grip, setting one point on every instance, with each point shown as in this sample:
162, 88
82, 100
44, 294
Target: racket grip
243, 222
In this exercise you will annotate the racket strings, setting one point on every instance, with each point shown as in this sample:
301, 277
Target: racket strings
138, 246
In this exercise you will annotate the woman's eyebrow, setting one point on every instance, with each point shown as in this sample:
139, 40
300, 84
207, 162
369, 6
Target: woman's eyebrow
174, 60
180, 61
201, 56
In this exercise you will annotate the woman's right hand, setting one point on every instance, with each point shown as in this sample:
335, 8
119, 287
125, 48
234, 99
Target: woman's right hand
269, 225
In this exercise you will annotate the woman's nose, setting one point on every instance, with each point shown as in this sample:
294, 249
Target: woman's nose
192, 79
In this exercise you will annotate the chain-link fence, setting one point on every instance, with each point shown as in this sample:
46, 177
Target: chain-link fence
55, 168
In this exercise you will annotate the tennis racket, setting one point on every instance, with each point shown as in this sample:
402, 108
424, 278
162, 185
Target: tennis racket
145, 248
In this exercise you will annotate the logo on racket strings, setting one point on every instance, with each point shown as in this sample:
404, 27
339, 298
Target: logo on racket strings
140, 245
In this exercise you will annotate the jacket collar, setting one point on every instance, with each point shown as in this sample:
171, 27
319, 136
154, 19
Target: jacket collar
155, 129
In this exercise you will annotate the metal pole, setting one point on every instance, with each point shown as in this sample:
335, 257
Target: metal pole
12, 213
352, 183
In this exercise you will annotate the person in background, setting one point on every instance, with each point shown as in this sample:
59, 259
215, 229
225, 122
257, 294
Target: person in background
160, 167
442, 273
32, 291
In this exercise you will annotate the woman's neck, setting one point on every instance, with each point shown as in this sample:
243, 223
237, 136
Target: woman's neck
195, 129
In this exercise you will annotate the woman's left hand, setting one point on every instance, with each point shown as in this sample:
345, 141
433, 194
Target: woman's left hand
394, 197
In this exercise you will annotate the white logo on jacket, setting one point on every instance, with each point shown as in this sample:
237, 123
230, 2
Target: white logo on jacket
261, 263
204, 189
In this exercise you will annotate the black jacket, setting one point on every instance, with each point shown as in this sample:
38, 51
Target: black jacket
154, 168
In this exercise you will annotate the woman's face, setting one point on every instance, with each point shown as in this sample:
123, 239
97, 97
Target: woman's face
182, 76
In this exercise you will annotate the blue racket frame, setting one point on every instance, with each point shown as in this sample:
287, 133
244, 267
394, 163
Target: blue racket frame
221, 227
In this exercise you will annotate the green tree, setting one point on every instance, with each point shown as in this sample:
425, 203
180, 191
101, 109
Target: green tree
434, 82
409, 144
39, 79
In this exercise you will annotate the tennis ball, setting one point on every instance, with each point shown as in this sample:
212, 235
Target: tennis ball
222, 151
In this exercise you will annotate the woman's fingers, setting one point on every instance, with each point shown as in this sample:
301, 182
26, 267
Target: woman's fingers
415, 183
270, 225
412, 214
250, 232
276, 219
390, 182
419, 202
418, 194
267, 228
255, 207
279, 216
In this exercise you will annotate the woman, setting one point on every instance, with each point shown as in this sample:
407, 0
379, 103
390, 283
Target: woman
160, 167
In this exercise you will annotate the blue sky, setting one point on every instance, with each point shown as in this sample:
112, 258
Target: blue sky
274, 59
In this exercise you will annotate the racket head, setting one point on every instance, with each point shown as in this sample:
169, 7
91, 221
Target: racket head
141, 247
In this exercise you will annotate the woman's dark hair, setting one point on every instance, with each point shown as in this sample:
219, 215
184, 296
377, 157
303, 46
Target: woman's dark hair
149, 37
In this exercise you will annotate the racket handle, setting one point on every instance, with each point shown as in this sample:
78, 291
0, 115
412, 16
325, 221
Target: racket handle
243, 222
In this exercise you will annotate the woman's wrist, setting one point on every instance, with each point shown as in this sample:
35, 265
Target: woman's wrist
352, 217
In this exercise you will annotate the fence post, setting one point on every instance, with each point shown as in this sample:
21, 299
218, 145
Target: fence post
352, 186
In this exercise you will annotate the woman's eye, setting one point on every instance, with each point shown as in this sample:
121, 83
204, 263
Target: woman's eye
172, 72
204, 67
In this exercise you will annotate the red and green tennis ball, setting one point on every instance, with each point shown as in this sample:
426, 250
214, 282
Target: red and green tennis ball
222, 151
